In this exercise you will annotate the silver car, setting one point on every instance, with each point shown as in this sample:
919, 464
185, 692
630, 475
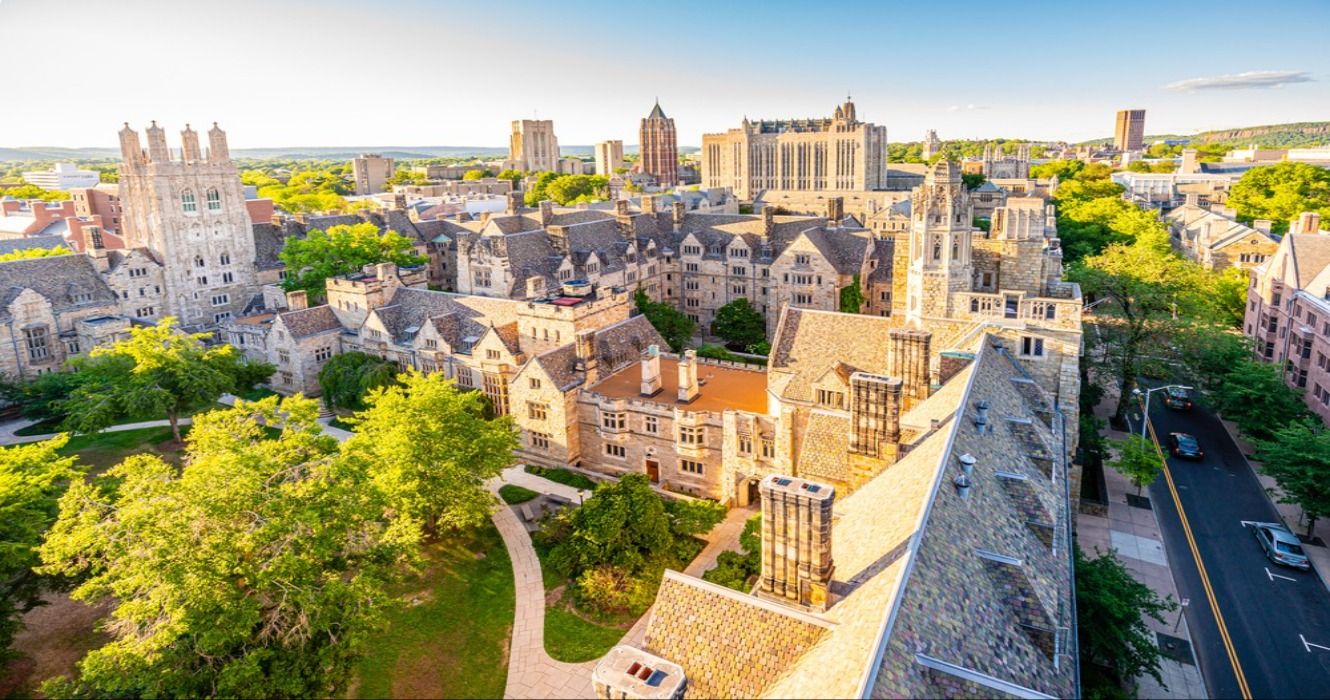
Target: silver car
1281, 546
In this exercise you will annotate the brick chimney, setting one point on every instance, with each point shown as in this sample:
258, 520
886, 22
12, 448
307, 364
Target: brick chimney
835, 211
768, 220
546, 212
688, 387
1307, 222
297, 300
651, 384
796, 541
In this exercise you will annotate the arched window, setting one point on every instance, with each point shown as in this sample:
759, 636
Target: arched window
198, 261
214, 200
225, 258
188, 203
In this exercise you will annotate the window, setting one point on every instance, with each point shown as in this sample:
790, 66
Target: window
617, 451
144, 312
691, 285
1032, 347
221, 299
692, 250
203, 281
228, 278
214, 200
431, 344
650, 425
224, 259
536, 411
738, 290
689, 466
801, 260
218, 318
592, 268
375, 333
198, 261
745, 444
738, 252
81, 297
491, 354
284, 357
323, 354
72, 346
188, 203
691, 436
533, 382
463, 377
540, 441
690, 267
36, 340
287, 378
138, 271
831, 399
885, 297
611, 420
739, 271
483, 278
803, 299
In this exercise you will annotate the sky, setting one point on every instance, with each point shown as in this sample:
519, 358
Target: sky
286, 73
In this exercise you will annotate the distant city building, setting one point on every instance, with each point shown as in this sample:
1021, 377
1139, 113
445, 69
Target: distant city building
996, 163
659, 146
102, 200
372, 172
62, 177
1213, 237
830, 153
1167, 190
533, 146
1129, 134
609, 157
34, 218
932, 145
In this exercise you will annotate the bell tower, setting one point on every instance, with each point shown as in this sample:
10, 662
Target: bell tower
941, 219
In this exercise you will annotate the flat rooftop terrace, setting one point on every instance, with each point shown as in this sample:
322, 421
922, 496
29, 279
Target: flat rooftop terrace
721, 387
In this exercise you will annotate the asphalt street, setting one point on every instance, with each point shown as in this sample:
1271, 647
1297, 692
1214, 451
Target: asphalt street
1277, 619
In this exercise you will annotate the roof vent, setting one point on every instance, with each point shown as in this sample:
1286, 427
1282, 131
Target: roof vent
962, 484
981, 415
967, 461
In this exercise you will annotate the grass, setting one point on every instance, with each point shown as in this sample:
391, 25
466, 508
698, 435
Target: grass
451, 638
571, 639
101, 451
567, 477
512, 495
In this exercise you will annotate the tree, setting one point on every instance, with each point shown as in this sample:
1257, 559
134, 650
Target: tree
972, 181
477, 174
676, 328
1110, 604
1061, 169
25, 192
1280, 193
259, 179
429, 449
573, 189
30, 253
256, 570
32, 476
513, 176
623, 524
740, 324
1253, 395
852, 298
536, 194
1137, 460
346, 379
1298, 457
343, 249
42, 397
689, 518
156, 371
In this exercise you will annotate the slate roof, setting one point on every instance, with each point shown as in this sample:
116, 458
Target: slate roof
303, 323
61, 279
809, 343
411, 308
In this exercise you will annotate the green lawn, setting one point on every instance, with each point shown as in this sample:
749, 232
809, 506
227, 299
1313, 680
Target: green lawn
101, 451
512, 495
567, 477
451, 639
574, 640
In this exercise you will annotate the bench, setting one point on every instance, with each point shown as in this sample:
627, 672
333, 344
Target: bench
526, 513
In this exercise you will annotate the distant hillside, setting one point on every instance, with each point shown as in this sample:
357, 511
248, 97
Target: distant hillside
302, 153
1271, 136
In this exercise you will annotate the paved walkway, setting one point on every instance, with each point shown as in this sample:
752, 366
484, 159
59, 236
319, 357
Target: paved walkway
7, 430
1134, 533
517, 476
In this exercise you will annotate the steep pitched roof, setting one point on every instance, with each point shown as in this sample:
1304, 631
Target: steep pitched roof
68, 282
303, 323
808, 343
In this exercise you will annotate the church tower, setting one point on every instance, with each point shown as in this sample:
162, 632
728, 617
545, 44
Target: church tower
659, 147
932, 145
188, 209
941, 220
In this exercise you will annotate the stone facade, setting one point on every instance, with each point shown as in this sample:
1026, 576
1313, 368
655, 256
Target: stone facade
533, 146
997, 164
1213, 237
609, 157
836, 153
659, 146
190, 210
371, 172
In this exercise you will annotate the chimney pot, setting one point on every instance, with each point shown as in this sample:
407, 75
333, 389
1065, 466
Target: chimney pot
688, 387
651, 381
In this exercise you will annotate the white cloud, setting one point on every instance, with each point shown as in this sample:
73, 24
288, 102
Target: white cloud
969, 107
1262, 79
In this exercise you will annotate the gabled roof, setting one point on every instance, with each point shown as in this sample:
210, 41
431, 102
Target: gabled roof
808, 343
67, 281
303, 323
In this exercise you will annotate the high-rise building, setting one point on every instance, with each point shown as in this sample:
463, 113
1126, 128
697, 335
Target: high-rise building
1130, 132
190, 213
797, 155
533, 146
609, 157
660, 147
372, 172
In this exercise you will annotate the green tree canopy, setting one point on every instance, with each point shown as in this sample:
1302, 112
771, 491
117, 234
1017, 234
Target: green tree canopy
537, 194
740, 324
574, 189
1137, 460
26, 192
347, 379
972, 181
256, 570
1280, 193
341, 250
477, 174
513, 176
1061, 169
32, 477
29, 253
310, 191
157, 370
1253, 394
676, 328
429, 448
622, 525
1298, 457
1110, 604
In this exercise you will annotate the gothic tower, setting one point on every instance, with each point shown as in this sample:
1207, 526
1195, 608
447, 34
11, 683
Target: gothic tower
660, 147
932, 145
189, 211
941, 220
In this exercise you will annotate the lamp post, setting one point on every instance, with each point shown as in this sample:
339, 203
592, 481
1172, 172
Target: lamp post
1145, 417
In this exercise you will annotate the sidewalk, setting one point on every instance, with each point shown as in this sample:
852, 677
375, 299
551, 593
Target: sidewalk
1134, 533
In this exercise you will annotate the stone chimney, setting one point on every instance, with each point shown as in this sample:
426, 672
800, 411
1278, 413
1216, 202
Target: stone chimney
1191, 199
651, 384
648, 204
297, 300
907, 359
796, 541
678, 209
1189, 165
621, 207
1307, 222
586, 356
835, 211
688, 388
463, 217
546, 212
535, 287
399, 201
93, 243
385, 271
768, 220
514, 202
1263, 225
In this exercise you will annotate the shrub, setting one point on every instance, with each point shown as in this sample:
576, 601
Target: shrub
514, 495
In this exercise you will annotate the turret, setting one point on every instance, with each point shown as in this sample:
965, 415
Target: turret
157, 150
131, 151
189, 145
218, 152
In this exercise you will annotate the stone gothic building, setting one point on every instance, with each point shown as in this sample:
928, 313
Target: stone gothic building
187, 210
998, 165
659, 146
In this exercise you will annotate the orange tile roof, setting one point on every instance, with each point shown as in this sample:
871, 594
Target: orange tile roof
722, 387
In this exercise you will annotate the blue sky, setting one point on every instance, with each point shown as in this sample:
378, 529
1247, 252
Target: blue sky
412, 72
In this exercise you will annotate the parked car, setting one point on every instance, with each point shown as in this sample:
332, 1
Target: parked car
1177, 398
1184, 446
1281, 546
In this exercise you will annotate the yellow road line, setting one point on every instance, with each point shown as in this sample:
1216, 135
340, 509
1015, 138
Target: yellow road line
1200, 566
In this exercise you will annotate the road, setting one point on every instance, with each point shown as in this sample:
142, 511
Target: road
1275, 617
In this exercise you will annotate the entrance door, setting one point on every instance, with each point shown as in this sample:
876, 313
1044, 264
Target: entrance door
653, 471
754, 495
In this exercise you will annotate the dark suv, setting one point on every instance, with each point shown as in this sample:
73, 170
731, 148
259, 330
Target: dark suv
1177, 398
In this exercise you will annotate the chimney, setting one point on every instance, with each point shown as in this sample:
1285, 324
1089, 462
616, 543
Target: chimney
648, 204
796, 541
677, 210
629, 672
1307, 222
1191, 199
463, 216
835, 211
535, 287
586, 355
621, 207
546, 212
93, 244
768, 220
651, 371
297, 300
907, 359
1263, 225
385, 271
688, 389
514, 202
399, 201
1189, 166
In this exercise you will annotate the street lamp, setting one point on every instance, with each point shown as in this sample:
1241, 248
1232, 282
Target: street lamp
1145, 417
